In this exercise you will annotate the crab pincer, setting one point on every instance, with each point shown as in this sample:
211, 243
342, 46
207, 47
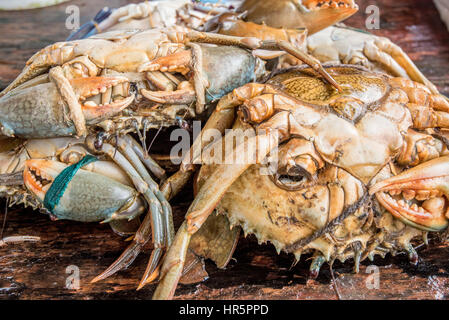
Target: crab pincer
104, 199
37, 109
418, 196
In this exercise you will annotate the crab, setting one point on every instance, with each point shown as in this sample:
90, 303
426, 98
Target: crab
154, 14
110, 190
340, 175
70, 86
52, 175
312, 25
102, 88
328, 42
312, 15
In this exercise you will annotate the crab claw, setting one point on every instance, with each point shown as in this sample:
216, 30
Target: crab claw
38, 109
418, 196
238, 66
314, 15
88, 197
102, 97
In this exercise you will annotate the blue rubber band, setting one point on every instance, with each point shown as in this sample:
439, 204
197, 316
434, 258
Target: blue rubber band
61, 182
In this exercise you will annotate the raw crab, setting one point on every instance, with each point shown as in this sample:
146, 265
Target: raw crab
281, 20
335, 151
327, 40
116, 189
313, 15
70, 86
124, 81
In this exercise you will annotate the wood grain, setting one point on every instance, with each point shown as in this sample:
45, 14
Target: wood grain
38, 270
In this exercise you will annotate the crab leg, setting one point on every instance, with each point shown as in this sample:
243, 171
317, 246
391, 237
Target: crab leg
181, 62
175, 183
151, 165
198, 78
207, 198
160, 81
218, 120
428, 110
127, 257
65, 89
158, 228
39, 63
309, 60
389, 54
127, 149
254, 43
419, 147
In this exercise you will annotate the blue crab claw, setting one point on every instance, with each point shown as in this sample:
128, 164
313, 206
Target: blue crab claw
36, 109
418, 196
89, 196
237, 66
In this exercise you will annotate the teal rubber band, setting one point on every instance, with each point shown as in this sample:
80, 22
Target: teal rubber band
61, 182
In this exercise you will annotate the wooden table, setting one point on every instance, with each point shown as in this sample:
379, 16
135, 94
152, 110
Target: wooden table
38, 271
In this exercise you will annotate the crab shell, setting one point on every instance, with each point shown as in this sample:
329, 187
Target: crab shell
355, 135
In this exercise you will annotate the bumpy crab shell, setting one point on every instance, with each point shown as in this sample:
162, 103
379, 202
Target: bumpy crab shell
306, 218
335, 151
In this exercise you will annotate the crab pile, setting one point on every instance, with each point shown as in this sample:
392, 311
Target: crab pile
327, 140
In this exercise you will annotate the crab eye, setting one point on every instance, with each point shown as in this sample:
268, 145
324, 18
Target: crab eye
296, 178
